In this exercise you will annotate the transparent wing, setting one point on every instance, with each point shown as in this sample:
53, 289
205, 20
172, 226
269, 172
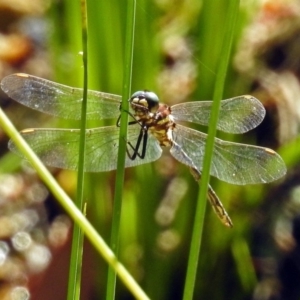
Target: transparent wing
57, 99
237, 115
232, 162
59, 147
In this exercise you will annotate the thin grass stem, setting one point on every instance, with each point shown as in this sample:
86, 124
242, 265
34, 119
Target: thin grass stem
115, 230
75, 270
78, 217
202, 199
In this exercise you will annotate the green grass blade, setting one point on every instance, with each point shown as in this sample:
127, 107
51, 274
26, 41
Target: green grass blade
201, 205
115, 230
75, 269
90, 232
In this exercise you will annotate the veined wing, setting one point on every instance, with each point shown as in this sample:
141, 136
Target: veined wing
237, 115
232, 162
59, 100
60, 147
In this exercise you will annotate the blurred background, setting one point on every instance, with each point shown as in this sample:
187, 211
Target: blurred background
178, 45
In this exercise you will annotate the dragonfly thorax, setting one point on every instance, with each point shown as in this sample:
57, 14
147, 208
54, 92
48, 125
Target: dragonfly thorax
153, 116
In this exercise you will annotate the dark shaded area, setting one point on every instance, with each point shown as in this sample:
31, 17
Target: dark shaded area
289, 268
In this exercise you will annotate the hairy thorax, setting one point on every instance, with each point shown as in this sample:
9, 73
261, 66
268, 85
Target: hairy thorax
159, 123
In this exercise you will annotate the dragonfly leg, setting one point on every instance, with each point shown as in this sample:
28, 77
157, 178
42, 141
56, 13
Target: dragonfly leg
135, 120
142, 136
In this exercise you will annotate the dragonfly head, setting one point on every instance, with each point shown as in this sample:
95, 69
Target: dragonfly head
144, 101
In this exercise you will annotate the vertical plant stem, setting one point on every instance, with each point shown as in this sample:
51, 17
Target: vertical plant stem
75, 269
201, 204
129, 43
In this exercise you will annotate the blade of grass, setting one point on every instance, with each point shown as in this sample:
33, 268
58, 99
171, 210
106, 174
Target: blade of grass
95, 239
75, 269
202, 200
114, 242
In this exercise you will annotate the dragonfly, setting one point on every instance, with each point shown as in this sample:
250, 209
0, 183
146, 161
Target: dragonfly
154, 125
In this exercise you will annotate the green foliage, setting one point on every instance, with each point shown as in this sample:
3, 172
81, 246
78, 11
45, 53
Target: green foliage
161, 271
154, 244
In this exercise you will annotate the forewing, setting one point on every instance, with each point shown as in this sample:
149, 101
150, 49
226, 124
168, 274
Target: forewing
237, 115
232, 162
57, 99
60, 147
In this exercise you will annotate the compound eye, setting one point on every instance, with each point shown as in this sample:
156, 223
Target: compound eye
152, 99
138, 95
146, 98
